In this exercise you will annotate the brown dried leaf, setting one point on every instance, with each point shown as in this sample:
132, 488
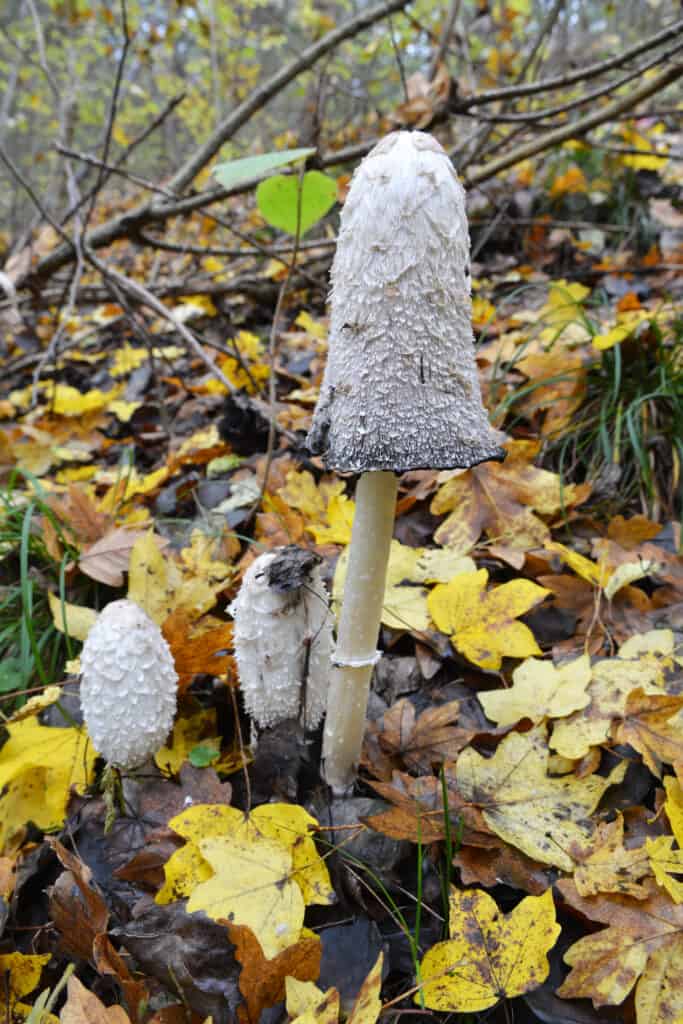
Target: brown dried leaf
643, 943
78, 911
262, 981
422, 741
109, 557
653, 725
83, 1007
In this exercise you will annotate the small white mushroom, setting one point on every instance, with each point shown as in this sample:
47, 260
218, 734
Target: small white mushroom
283, 638
400, 389
128, 685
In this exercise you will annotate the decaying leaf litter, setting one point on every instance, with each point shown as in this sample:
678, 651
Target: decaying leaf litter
516, 832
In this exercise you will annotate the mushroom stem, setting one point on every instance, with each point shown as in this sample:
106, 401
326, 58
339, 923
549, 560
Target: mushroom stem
356, 652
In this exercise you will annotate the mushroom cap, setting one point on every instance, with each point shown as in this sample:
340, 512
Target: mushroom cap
400, 389
128, 685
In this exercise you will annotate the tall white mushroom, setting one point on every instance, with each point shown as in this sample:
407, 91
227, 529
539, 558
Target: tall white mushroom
400, 389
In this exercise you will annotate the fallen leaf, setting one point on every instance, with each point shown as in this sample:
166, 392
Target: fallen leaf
490, 956
540, 690
643, 944
405, 595
262, 981
540, 814
251, 885
612, 681
38, 767
425, 740
108, 558
666, 862
483, 624
653, 725
83, 1007
607, 866
71, 618
507, 500
199, 647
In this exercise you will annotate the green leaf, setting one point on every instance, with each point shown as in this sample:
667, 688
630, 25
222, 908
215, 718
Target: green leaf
277, 200
203, 755
235, 172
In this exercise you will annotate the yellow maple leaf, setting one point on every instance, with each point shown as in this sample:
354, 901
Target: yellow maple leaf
405, 594
252, 885
483, 624
540, 814
540, 690
490, 956
287, 824
157, 585
259, 869
340, 513
613, 679
328, 511
38, 766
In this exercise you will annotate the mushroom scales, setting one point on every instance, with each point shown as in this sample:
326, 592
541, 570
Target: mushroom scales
400, 389
128, 685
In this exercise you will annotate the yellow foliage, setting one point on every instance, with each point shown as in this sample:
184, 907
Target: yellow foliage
573, 180
637, 665
252, 885
666, 862
157, 585
20, 976
307, 1004
405, 604
607, 866
540, 814
187, 733
272, 844
72, 618
327, 510
540, 690
38, 766
483, 624
489, 956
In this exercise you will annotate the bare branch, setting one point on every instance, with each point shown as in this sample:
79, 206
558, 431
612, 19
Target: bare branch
575, 129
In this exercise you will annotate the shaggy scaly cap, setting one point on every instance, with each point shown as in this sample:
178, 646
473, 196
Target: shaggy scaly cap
128, 688
400, 389
283, 643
